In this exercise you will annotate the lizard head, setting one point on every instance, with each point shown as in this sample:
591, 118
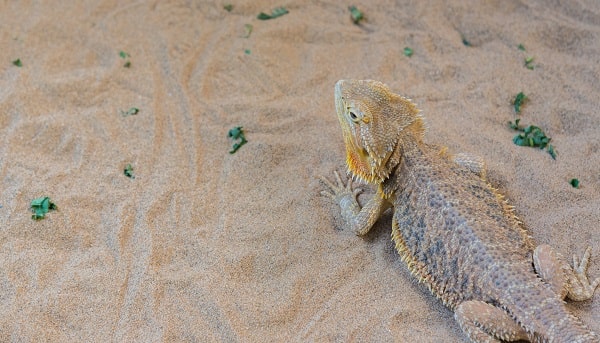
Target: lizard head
372, 119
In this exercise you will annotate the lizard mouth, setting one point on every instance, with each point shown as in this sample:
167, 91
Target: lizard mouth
364, 166
356, 160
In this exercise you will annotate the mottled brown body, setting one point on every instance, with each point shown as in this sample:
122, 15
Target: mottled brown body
455, 231
443, 214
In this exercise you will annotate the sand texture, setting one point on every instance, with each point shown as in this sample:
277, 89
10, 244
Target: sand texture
207, 246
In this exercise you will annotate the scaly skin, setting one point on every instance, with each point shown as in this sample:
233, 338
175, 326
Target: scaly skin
453, 229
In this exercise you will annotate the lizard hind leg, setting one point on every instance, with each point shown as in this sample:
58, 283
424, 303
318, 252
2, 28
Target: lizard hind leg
552, 268
483, 322
580, 286
568, 282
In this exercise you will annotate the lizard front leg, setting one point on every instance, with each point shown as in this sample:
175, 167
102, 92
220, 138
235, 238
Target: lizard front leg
568, 282
359, 220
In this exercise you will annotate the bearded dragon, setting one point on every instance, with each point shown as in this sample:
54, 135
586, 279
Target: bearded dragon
456, 233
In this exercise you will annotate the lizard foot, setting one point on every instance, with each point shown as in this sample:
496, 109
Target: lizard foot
567, 282
581, 287
339, 191
359, 220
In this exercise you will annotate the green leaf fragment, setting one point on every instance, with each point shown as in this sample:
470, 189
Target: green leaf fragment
247, 51
228, 7
263, 16
356, 15
408, 52
236, 146
248, 28
17, 62
574, 183
237, 133
465, 41
528, 59
41, 206
528, 63
276, 12
515, 125
130, 112
551, 151
128, 171
519, 101
125, 55
532, 136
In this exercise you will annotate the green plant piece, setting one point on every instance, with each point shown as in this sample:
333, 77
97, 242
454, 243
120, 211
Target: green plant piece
574, 183
515, 125
128, 171
247, 51
408, 52
528, 63
276, 12
248, 28
528, 59
532, 136
237, 133
125, 56
551, 151
356, 15
519, 101
41, 206
238, 145
130, 112
228, 7
17, 62
465, 41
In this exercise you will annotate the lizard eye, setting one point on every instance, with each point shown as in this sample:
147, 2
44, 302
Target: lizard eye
353, 116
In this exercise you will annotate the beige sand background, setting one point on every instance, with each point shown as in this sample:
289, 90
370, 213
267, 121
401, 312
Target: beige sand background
205, 246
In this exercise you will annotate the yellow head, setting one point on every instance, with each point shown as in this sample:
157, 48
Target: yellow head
372, 119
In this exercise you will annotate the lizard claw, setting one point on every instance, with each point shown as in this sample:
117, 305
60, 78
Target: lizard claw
339, 189
581, 287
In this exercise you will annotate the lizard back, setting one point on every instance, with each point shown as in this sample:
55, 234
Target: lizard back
452, 227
